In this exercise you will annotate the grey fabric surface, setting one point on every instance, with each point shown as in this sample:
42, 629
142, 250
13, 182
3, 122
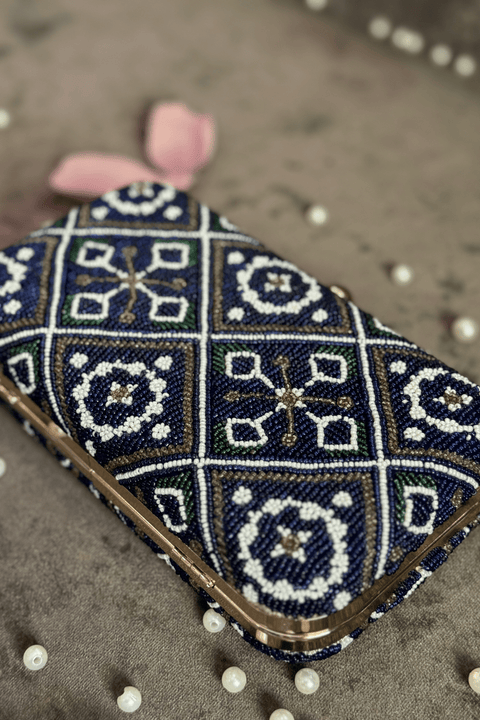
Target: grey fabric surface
455, 23
305, 113
110, 613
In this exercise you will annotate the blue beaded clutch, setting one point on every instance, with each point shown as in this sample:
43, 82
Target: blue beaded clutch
301, 464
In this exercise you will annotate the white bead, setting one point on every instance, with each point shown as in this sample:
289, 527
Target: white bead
307, 681
465, 65
234, 679
380, 27
474, 680
130, 700
408, 40
281, 714
4, 119
465, 330
35, 657
213, 621
316, 4
3, 467
317, 215
402, 274
441, 55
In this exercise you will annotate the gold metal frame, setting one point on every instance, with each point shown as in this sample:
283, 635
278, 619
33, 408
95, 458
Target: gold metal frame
273, 630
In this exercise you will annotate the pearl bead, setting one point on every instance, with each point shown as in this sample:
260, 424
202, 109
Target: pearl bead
402, 274
35, 657
4, 119
441, 55
341, 292
474, 680
3, 467
316, 4
380, 27
317, 215
307, 681
213, 621
408, 40
130, 700
465, 330
281, 714
465, 65
234, 679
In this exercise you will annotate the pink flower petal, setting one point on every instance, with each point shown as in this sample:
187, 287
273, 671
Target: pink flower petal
181, 181
92, 174
178, 140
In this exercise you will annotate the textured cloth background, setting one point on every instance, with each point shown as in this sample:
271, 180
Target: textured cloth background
455, 23
306, 113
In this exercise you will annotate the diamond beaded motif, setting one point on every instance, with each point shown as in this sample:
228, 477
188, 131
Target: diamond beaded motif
299, 446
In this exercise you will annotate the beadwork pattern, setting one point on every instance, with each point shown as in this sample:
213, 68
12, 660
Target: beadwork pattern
298, 445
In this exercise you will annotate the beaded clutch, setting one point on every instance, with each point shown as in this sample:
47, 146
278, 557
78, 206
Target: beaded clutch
305, 467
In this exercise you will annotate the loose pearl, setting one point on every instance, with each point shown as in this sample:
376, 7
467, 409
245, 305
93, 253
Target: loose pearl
234, 679
465, 65
402, 274
213, 621
465, 330
341, 292
380, 27
307, 681
316, 4
4, 119
3, 467
317, 215
130, 700
474, 680
441, 55
281, 714
35, 657
408, 40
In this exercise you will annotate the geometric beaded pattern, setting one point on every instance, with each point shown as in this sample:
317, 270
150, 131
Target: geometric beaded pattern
302, 448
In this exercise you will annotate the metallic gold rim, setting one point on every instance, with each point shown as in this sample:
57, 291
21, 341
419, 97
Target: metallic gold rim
275, 631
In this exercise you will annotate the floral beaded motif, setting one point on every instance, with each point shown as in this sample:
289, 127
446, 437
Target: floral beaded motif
297, 444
